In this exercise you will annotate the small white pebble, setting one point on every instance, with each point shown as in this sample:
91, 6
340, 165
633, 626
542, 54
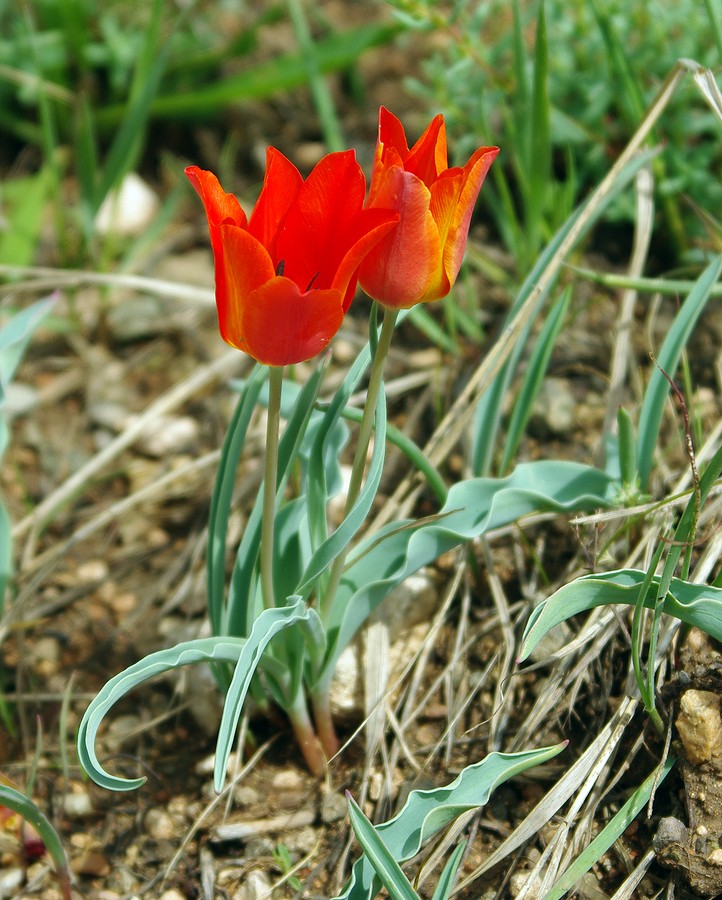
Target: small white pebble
129, 209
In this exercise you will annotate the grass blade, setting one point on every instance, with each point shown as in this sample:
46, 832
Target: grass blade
536, 370
650, 417
610, 833
448, 876
289, 71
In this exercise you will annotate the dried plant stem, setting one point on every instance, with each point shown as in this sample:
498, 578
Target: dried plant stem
275, 383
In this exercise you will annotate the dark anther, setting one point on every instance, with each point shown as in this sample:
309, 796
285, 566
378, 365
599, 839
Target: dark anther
310, 283
280, 267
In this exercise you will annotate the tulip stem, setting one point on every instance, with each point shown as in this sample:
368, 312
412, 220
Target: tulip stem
305, 735
270, 475
362, 446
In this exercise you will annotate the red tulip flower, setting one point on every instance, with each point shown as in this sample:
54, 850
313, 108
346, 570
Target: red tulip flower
286, 276
420, 259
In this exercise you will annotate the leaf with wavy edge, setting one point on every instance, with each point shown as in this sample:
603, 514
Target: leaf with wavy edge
426, 812
695, 604
473, 507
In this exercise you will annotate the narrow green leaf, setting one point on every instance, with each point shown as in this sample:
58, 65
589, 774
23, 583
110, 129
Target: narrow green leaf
126, 142
628, 91
387, 870
269, 623
536, 370
320, 91
344, 534
448, 876
650, 416
426, 812
297, 407
25, 807
86, 162
223, 495
318, 488
539, 175
627, 448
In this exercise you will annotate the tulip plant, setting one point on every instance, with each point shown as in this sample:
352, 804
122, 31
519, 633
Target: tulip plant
285, 277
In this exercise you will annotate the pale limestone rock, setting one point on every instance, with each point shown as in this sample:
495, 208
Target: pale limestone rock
700, 726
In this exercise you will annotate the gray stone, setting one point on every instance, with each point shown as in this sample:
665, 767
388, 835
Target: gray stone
333, 808
555, 407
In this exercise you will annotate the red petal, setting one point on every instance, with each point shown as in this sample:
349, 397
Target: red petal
218, 204
281, 184
404, 268
283, 325
474, 173
391, 132
242, 267
428, 157
317, 231
370, 225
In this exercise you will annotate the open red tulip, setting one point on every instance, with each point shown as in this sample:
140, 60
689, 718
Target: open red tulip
420, 259
286, 276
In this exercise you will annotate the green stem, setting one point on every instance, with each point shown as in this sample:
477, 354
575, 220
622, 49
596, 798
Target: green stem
269, 484
362, 446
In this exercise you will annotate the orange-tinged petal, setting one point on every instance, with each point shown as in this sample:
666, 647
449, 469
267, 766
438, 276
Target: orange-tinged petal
369, 226
283, 325
428, 157
444, 204
244, 265
385, 158
316, 233
281, 185
218, 204
402, 268
474, 174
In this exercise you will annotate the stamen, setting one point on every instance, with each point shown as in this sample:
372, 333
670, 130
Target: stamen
280, 267
310, 283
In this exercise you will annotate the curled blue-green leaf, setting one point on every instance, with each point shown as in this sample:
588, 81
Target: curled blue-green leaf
698, 605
